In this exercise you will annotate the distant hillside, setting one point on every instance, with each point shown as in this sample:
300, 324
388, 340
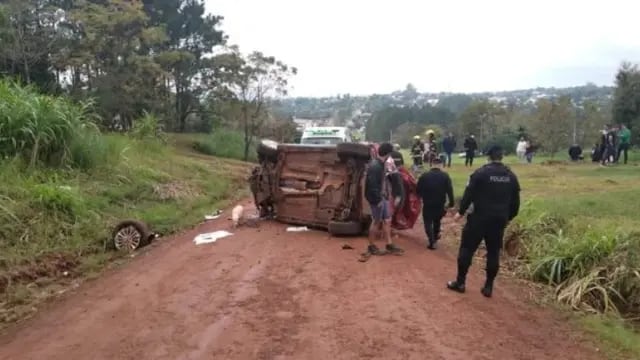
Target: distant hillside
342, 108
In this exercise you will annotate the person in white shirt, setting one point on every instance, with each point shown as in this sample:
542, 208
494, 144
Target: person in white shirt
521, 149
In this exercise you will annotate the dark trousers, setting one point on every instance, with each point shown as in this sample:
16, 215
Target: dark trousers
491, 230
623, 149
432, 218
469, 158
449, 156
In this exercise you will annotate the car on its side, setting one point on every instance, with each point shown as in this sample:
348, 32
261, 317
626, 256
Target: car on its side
320, 186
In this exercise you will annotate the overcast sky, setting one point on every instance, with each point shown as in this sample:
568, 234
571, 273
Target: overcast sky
375, 46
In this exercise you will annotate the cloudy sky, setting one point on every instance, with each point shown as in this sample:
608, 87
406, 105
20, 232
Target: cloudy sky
376, 46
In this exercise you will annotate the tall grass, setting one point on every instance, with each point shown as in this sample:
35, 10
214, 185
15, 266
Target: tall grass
51, 131
593, 267
224, 143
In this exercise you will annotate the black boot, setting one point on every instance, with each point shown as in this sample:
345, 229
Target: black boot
456, 286
487, 289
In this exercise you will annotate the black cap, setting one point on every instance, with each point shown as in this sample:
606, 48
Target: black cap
495, 152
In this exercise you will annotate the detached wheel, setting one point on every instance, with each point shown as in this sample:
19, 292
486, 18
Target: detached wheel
340, 228
359, 151
129, 235
268, 150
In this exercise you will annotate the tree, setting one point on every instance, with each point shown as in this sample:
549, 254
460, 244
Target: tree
27, 34
254, 80
192, 35
480, 119
626, 99
553, 124
109, 61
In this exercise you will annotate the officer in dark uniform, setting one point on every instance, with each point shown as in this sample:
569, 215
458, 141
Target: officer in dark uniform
494, 192
434, 186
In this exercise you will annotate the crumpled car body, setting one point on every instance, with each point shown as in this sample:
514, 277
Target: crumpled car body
322, 186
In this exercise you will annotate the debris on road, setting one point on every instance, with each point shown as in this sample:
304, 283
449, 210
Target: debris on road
212, 237
297, 229
214, 215
347, 247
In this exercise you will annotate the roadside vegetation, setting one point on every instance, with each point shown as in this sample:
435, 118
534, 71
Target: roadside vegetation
578, 233
64, 185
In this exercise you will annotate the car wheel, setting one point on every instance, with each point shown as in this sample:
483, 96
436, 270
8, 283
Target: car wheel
345, 228
129, 235
360, 151
268, 150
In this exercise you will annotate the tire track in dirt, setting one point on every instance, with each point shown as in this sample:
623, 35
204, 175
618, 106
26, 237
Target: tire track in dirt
269, 294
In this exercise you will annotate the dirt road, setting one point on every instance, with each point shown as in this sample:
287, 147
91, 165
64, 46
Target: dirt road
268, 294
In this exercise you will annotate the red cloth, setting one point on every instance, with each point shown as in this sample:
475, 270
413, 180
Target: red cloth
407, 216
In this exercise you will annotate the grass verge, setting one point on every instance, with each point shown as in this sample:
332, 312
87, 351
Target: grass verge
55, 224
578, 231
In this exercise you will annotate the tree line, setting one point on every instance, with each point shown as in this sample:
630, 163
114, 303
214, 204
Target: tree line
131, 57
551, 123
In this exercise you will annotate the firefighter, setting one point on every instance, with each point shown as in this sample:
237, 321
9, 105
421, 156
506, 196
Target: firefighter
431, 148
494, 192
417, 152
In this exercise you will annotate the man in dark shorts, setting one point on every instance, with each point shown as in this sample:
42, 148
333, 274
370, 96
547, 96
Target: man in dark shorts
377, 190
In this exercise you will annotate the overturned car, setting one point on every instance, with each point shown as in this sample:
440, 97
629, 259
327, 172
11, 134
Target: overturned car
322, 186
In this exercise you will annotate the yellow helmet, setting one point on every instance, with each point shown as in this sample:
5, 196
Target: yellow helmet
417, 137
431, 132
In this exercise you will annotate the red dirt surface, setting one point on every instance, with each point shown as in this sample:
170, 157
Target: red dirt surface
268, 294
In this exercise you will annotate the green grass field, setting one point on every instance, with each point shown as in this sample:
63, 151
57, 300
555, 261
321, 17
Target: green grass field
578, 229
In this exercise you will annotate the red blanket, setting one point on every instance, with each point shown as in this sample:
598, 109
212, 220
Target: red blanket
406, 216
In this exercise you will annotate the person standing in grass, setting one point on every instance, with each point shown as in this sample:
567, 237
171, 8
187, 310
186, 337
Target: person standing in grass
449, 146
521, 149
377, 191
470, 147
624, 135
434, 186
417, 152
529, 152
494, 192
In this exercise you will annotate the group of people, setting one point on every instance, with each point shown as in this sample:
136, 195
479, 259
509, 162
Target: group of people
525, 150
490, 201
428, 152
615, 141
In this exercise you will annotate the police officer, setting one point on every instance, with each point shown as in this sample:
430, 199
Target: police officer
494, 192
434, 186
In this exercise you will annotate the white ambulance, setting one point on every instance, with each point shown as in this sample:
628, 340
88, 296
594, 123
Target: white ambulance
325, 135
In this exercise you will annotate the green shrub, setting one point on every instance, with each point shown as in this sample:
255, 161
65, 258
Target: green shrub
592, 268
45, 130
226, 144
57, 199
148, 127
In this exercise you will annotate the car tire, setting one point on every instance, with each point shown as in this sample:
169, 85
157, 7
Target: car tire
130, 235
268, 150
345, 228
359, 151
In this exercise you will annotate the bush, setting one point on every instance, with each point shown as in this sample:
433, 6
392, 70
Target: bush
148, 127
47, 130
225, 144
596, 269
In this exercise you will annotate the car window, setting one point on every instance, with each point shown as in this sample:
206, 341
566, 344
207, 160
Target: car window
322, 140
